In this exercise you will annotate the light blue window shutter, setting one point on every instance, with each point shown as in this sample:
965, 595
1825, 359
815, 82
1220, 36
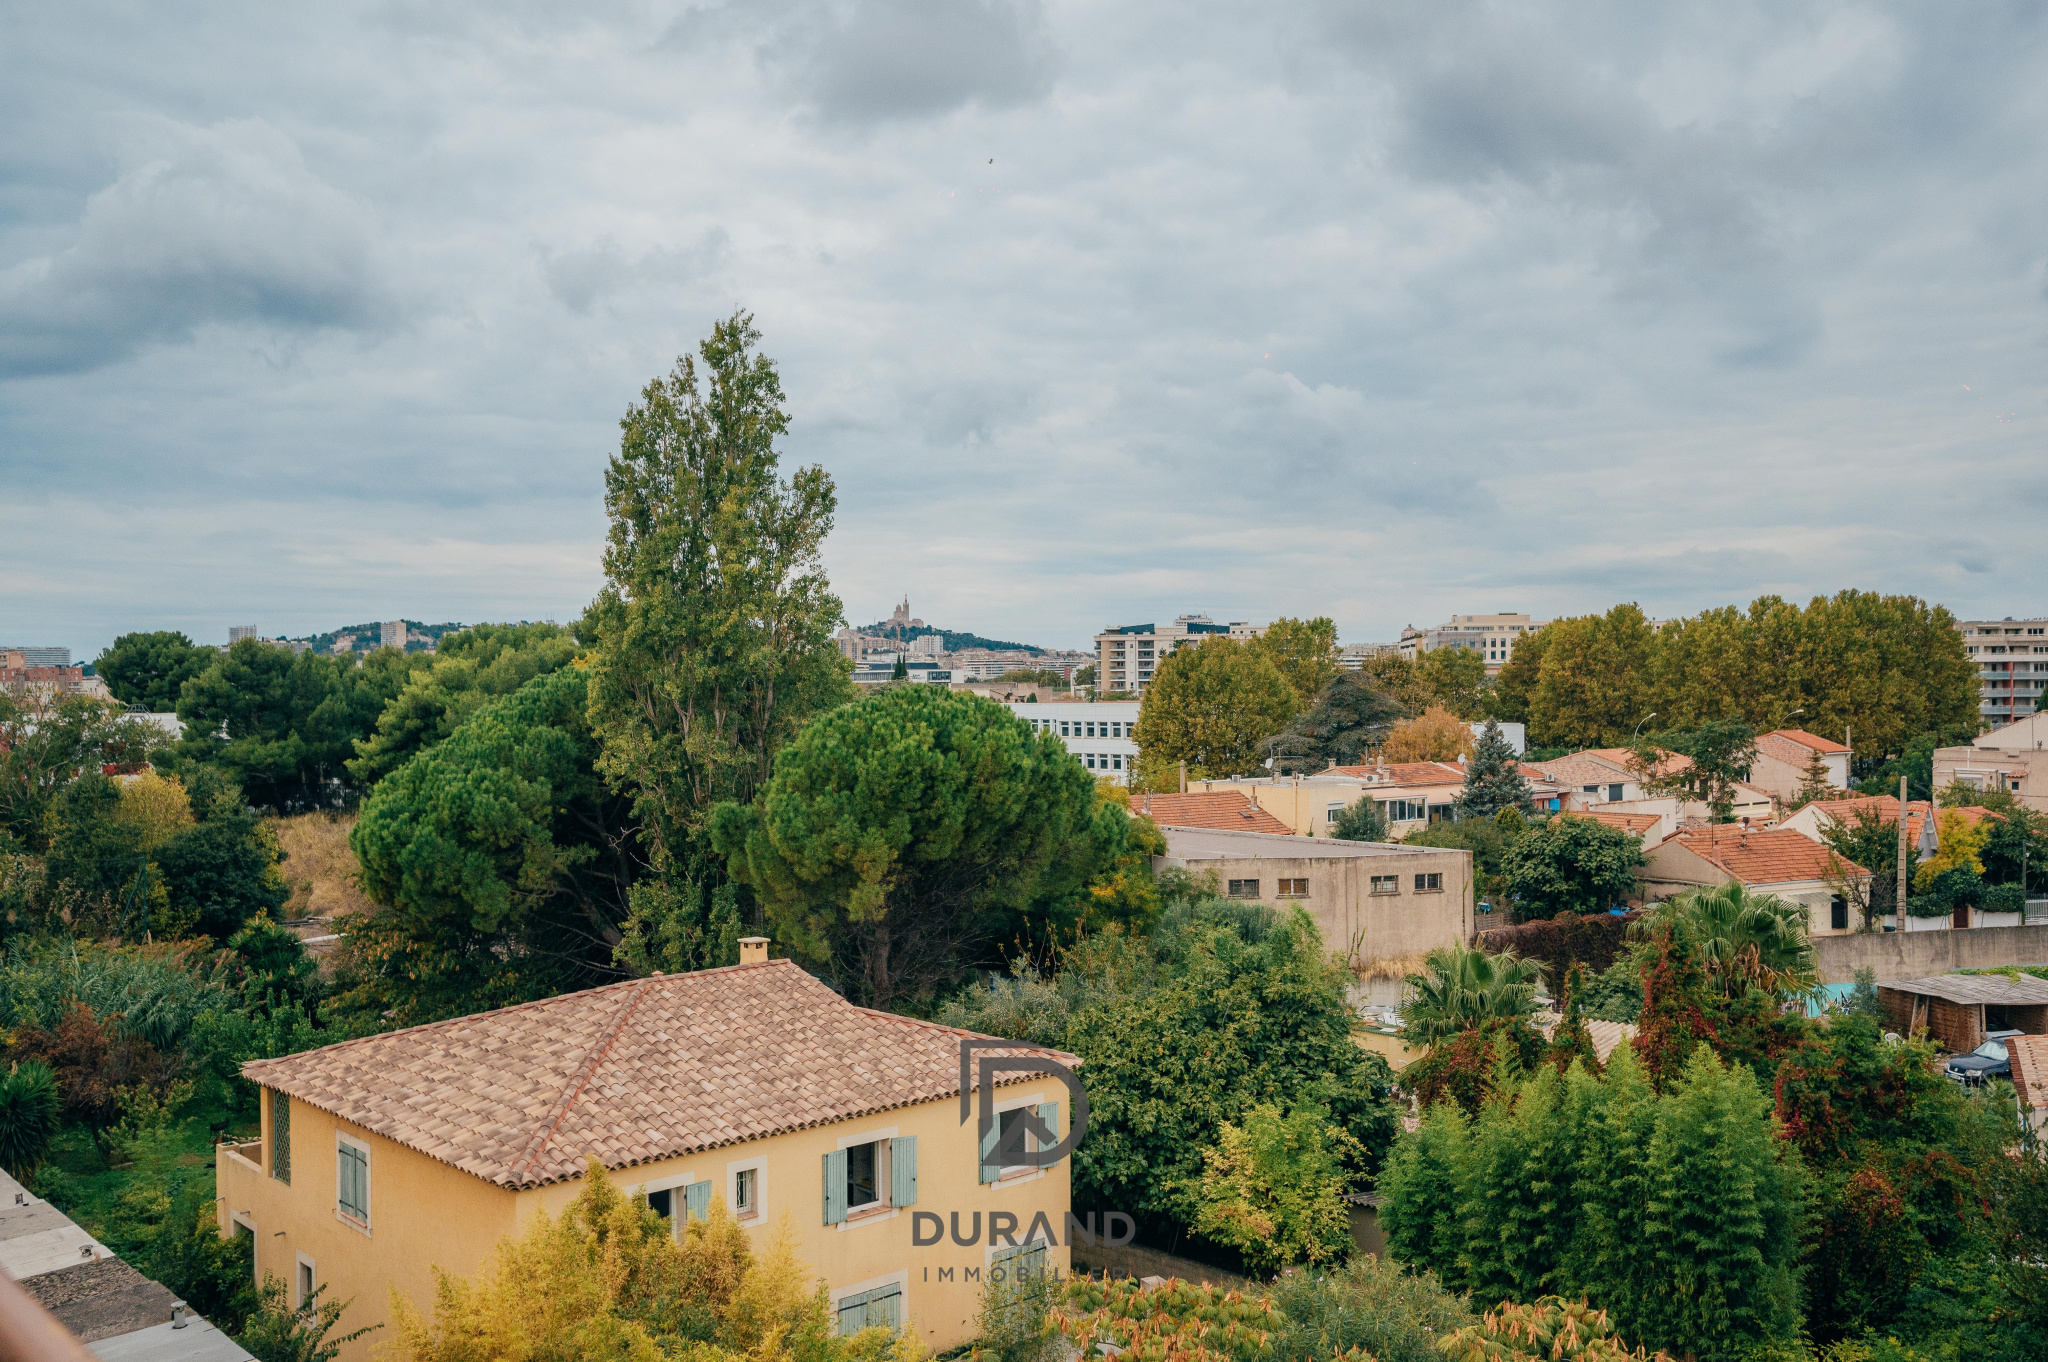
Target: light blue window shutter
853, 1311
989, 1172
697, 1200
835, 1187
1049, 1115
885, 1307
903, 1170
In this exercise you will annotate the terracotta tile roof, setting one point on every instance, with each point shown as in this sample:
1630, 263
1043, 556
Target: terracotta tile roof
1637, 823
1406, 772
1231, 809
631, 1072
1667, 762
1805, 739
1606, 1034
1777, 857
2030, 1069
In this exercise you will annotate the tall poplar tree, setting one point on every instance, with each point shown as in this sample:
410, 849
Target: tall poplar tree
713, 632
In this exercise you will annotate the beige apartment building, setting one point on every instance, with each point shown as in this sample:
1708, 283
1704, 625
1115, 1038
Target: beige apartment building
1491, 636
2011, 657
1378, 905
2002, 759
1411, 794
1126, 655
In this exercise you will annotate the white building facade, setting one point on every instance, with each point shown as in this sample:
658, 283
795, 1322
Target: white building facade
2011, 658
1100, 735
1491, 636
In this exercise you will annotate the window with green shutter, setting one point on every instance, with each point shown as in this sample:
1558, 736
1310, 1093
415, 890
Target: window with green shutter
697, 1201
903, 1170
352, 1179
880, 1308
835, 1187
280, 1137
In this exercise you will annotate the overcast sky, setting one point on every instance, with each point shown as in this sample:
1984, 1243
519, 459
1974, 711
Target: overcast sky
1096, 313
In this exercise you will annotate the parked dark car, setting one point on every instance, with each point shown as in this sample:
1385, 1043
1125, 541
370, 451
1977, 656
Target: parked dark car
1987, 1061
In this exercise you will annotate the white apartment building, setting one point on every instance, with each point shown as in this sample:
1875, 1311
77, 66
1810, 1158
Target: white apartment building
1491, 636
1125, 655
1353, 656
1100, 735
2012, 666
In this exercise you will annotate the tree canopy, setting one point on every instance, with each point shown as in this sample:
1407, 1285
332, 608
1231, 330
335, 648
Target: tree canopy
713, 633
1434, 735
1212, 706
146, 671
284, 726
910, 833
1351, 716
471, 668
1890, 668
501, 860
1493, 780
1570, 864
1305, 651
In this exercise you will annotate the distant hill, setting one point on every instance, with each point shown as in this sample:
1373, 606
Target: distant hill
952, 641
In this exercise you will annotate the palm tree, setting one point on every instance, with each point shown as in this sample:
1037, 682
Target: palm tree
1464, 988
1741, 939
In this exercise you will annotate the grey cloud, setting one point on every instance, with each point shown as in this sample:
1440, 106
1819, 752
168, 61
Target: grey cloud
221, 224
877, 60
580, 278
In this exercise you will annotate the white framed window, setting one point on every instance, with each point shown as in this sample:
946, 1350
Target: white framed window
1386, 884
678, 1198
1010, 1114
1331, 811
869, 1177
1429, 884
352, 1180
746, 1190
305, 1281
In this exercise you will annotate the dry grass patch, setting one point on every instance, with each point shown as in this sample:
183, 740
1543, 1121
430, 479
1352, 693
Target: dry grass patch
319, 867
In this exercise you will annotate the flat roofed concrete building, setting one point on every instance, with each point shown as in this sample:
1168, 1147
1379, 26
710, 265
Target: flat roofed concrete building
2011, 657
1126, 655
1491, 636
2010, 758
1379, 905
1098, 734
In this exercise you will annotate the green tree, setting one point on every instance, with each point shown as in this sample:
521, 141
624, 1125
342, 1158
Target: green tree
1740, 939
1867, 841
146, 671
284, 727
99, 858
1718, 755
1465, 988
1570, 865
1221, 1006
1361, 821
1400, 680
903, 836
282, 1332
1723, 1219
46, 741
1507, 699
222, 872
470, 669
502, 862
1488, 839
713, 632
1493, 779
1273, 1187
1456, 678
30, 1108
1420, 1191
1305, 651
2016, 845
1212, 706
1352, 715
1594, 683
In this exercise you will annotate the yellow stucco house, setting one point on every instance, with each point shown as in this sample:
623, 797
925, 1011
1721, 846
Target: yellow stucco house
385, 1157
